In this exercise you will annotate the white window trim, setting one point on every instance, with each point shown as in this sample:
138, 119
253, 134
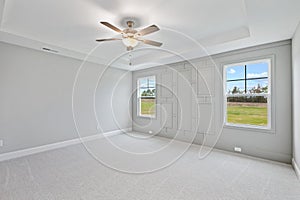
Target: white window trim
269, 60
139, 99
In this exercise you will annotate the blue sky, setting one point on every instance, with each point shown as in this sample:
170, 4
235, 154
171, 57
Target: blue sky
254, 70
143, 82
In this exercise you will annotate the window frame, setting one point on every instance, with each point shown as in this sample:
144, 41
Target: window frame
139, 97
269, 95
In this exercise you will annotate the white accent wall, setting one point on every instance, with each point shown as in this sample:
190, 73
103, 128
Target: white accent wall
296, 96
190, 105
36, 98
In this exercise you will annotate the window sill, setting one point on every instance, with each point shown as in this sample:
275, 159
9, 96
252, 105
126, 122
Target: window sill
249, 128
146, 117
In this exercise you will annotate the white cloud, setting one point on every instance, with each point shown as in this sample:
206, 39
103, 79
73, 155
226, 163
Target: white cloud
253, 75
231, 71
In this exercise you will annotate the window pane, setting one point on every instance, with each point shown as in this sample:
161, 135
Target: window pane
236, 87
258, 86
148, 106
247, 110
147, 94
151, 81
235, 72
258, 70
143, 82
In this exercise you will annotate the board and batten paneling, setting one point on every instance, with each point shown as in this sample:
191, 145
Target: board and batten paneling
192, 101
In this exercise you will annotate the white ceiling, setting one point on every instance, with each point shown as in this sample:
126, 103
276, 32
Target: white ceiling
189, 29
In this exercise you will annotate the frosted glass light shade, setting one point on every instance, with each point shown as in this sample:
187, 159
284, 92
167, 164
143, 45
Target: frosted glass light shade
130, 42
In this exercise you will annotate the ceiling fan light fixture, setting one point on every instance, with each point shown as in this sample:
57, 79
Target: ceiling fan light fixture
130, 42
130, 36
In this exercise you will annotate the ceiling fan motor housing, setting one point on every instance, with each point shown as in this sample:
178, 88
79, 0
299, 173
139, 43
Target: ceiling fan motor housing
130, 24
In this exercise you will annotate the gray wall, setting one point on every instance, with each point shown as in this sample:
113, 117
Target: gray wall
296, 96
186, 99
36, 98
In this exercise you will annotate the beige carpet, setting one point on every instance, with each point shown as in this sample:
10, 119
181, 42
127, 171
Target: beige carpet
72, 173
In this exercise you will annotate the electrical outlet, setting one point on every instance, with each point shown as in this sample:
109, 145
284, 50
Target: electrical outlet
1, 143
238, 149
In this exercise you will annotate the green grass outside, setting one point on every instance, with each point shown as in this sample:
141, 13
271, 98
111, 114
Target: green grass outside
236, 114
251, 115
148, 107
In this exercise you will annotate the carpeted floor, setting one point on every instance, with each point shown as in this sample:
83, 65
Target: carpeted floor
75, 173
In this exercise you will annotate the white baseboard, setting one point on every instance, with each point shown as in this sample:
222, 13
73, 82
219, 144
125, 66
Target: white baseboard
296, 168
57, 145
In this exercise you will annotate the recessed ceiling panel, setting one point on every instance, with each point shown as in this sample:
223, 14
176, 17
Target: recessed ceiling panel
217, 25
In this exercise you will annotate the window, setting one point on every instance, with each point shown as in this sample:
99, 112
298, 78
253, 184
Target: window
146, 97
248, 94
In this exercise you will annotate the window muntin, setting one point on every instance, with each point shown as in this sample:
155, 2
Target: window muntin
248, 94
146, 97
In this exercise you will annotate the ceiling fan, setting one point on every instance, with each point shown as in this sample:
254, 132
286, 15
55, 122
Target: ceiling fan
130, 36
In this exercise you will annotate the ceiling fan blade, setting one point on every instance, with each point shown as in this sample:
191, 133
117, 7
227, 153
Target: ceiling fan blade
148, 30
109, 39
151, 42
111, 26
